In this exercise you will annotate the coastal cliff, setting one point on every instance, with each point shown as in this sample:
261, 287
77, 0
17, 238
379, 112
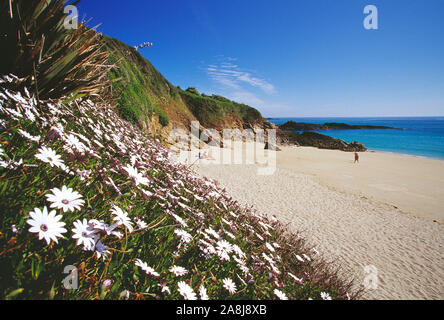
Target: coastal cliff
146, 98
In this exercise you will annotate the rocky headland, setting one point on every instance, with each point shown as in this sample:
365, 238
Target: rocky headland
302, 126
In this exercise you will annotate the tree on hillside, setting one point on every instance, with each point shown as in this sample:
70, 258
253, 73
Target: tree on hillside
193, 90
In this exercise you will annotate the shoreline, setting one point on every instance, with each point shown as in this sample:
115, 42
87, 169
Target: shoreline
405, 154
347, 224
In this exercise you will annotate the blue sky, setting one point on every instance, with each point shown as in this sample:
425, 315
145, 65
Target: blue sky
292, 57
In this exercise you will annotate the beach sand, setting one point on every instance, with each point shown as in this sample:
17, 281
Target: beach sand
380, 212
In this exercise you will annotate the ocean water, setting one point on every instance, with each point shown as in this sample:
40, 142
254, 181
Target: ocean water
414, 136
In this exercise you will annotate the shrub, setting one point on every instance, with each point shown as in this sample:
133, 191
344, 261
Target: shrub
53, 61
210, 110
193, 91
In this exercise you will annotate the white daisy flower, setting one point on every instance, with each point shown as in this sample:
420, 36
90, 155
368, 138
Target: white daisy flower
117, 234
325, 296
275, 269
203, 293
138, 177
178, 271
47, 225
107, 283
101, 250
199, 198
224, 245
179, 220
98, 143
73, 142
229, 285
122, 218
295, 278
223, 255
29, 113
111, 182
141, 224
84, 174
148, 270
207, 248
232, 236
29, 136
186, 291
280, 294
14, 229
48, 155
146, 192
164, 288
213, 233
259, 236
65, 199
238, 251
270, 247
12, 165
183, 235
101, 226
84, 234
270, 260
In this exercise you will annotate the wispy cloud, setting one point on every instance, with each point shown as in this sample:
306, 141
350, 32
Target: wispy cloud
231, 75
246, 97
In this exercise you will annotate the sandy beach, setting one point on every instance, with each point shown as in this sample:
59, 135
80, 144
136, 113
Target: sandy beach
387, 211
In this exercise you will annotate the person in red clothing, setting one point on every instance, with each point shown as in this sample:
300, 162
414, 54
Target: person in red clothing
356, 157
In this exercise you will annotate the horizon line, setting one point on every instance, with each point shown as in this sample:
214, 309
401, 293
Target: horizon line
354, 117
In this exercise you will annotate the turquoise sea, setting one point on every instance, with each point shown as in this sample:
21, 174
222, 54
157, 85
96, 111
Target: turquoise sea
418, 136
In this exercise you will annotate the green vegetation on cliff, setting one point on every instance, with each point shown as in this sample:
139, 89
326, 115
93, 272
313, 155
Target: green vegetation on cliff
142, 90
212, 110
141, 87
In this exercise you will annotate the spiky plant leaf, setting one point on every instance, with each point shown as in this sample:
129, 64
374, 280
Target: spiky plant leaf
54, 62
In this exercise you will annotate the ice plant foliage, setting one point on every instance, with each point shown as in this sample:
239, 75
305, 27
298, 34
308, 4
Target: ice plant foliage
125, 214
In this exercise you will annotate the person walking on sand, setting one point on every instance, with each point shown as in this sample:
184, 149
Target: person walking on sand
356, 157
